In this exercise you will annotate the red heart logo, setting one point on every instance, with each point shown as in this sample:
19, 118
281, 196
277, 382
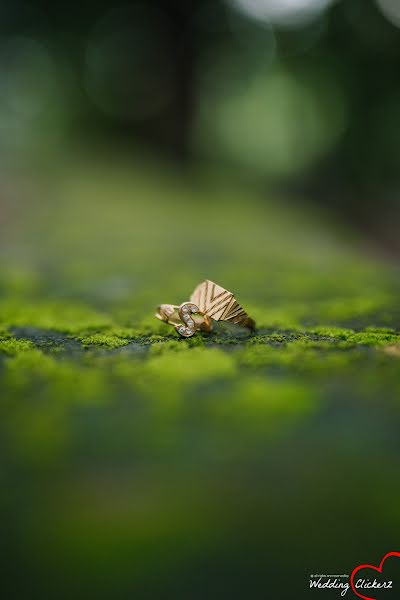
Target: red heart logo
379, 569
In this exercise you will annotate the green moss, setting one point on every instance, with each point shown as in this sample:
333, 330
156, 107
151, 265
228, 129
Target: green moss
347, 338
127, 333
370, 338
69, 381
332, 332
102, 340
12, 347
42, 436
299, 356
264, 402
275, 338
162, 347
380, 329
168, 376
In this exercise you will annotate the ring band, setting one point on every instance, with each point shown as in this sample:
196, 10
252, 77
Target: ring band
186, 318
219, 304
208, 301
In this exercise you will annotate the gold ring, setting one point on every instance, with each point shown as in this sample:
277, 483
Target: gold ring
187, 318
219, 304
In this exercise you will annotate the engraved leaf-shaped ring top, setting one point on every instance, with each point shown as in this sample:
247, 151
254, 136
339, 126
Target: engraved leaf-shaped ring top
221, 305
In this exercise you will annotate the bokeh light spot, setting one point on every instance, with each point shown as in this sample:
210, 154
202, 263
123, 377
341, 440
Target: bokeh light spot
277, 124
391, 10
281, 12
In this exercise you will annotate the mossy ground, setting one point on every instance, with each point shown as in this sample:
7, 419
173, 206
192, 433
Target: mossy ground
127, 441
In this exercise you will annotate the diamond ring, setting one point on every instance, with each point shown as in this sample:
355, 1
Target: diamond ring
208, 302
187, 318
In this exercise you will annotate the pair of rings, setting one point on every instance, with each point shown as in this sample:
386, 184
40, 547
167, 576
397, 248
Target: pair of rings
209, 302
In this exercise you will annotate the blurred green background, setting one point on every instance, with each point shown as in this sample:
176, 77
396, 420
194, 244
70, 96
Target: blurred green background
145, 147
